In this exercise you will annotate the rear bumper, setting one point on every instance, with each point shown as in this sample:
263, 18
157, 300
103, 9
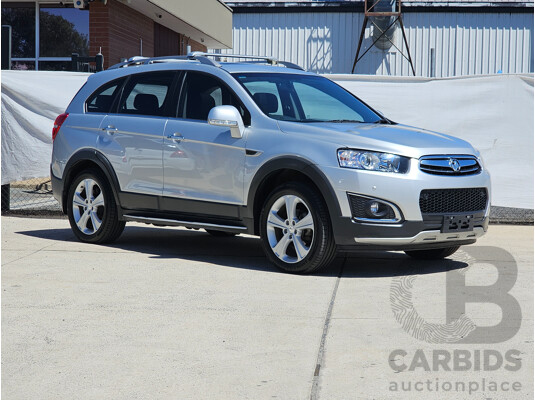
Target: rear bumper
57, 189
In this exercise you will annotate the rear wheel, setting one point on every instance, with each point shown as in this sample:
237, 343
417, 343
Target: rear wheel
92, 210
432, 254
295, 229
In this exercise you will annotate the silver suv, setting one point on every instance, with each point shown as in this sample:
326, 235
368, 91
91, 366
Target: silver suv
264, 148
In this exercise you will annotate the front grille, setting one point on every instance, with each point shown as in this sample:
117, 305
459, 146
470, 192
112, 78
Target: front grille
444, 201
450, 165
359, 205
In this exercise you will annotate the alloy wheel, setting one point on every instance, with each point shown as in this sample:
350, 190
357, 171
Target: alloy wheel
88, 206
290, 229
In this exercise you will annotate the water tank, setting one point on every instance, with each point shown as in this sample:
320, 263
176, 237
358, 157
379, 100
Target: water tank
383, 23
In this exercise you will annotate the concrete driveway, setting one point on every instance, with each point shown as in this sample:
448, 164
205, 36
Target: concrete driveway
168, 313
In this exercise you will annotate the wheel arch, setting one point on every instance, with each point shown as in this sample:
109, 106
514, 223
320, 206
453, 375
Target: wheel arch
281, 170
86, 159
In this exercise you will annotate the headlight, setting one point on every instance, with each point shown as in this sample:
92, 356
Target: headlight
372, 161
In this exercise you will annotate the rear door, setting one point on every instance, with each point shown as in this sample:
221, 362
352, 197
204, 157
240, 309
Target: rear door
201, 161
132, 137
87, 125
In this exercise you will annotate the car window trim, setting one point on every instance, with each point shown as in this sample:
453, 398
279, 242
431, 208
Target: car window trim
167, 111
116, 93
180, 103
115, 103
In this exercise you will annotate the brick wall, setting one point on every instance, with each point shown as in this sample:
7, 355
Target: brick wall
118, 29
185, 41
98, 31
195, 46
166, 41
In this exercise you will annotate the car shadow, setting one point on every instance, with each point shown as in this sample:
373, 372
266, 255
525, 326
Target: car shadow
381, 264
246, 252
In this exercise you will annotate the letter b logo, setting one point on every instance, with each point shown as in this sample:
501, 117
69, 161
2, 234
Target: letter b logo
458, 327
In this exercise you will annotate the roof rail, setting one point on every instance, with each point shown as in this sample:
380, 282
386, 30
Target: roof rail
269, 60
138, 60
202, 58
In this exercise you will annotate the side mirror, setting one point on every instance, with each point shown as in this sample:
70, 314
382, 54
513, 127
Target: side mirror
227, 116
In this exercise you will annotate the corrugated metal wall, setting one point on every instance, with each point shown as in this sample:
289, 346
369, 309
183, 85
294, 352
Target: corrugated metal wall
460, 43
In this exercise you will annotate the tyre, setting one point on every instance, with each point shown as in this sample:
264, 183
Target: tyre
432, 254
295, 229
92, 210
220, 233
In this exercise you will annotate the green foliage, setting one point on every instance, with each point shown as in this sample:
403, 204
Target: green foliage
22, 21
58, 36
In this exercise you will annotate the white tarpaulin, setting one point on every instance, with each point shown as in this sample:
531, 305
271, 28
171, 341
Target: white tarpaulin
31, 101
494, 113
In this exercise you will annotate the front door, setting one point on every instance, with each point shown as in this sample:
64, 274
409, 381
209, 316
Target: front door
201, 161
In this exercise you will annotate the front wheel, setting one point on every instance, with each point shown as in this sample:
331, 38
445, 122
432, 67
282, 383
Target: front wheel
296, 230
432, 254
92, 210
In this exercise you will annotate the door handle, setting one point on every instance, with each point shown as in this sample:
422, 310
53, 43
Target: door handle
176, 137
110, 129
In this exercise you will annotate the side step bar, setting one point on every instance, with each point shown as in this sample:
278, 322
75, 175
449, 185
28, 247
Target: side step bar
187, 224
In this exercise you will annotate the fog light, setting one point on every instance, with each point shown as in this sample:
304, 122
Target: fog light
368, 209
374, 207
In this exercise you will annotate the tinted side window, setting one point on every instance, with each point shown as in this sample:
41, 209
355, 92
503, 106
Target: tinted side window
102, 99
266, 95
319, 105
148, 94
202, 92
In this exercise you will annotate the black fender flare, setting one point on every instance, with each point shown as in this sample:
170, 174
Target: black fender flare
101, 161
298, 164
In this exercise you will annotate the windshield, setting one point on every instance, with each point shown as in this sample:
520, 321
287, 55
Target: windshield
304, 98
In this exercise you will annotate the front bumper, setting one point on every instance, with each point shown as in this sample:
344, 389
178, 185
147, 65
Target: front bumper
425, 237
415, 230
403, 190
408, 235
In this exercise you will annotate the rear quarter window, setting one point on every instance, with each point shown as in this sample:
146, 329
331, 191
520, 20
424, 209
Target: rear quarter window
102, 99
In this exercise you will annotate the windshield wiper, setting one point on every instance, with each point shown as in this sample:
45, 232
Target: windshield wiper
345, 120
382, 121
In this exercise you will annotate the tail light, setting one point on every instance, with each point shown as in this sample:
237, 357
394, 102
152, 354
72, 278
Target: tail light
57, 124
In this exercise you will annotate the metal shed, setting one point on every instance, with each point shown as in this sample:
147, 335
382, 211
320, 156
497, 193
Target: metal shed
450, 38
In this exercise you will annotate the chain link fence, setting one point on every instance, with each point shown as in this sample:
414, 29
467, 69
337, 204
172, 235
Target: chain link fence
34, 197
30, 197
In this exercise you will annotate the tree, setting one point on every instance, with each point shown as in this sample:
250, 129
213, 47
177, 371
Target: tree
58, 36
22, 22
